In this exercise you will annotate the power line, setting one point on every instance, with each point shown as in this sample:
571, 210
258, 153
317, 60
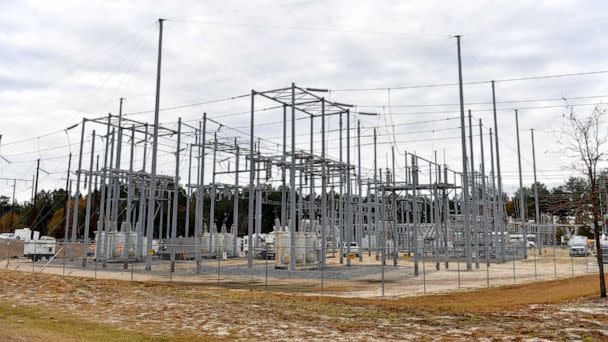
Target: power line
365, 106
487, 103
504, 80
190, 105
497, 109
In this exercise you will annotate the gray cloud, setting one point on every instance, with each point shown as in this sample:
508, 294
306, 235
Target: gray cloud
63, 59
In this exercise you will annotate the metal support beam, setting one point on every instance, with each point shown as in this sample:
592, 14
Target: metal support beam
77, 194
175, 194
537, 217
87, 215
152, 191
465, 182
251, 184
499, 213
522, 198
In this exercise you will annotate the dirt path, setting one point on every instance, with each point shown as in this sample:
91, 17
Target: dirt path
36, 307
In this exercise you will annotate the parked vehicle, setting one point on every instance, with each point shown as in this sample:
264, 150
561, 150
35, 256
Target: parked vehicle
517, 239
578, 246
43, 248
604, 244
354, 249
7, 236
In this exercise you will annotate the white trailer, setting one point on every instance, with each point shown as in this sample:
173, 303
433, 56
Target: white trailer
26, 234
38, 249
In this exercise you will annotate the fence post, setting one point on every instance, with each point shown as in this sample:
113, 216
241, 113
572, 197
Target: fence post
458, 266
170, 267
85, 252
132, 267
10, 254
535, 271
34, 257
487, 273
219, 263
572, 264
95, 264
554, 263
382, 262
266, 266
513, 255
8, 246
322, 274
172, 262
423, 269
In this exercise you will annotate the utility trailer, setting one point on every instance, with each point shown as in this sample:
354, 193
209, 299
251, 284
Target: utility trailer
35, 247
43, 248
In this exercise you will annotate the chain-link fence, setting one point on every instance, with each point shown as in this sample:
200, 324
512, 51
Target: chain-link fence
354, 273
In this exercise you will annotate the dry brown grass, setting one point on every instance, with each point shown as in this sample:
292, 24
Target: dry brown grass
111, 309
488, 299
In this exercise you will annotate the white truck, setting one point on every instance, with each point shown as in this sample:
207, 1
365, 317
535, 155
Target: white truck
578, 246
517, 239
354, 249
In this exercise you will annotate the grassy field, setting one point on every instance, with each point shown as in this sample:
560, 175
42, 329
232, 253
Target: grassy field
43, 307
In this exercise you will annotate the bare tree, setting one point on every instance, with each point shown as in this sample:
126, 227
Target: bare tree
585, 141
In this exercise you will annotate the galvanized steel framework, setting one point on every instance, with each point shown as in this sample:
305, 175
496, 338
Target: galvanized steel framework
454, 218
409, 216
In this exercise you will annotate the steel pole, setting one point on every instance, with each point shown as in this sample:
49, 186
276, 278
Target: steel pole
522, 200
127, 231
323, 189
101, 222
465, 182
251, 184
188, 192
175, 194
484, 198
376, 211
77, 193
68, 208
360, 191
311, 195
284, 173
142, 198
446, 219
212, 225
235, 210
292, 183
495, 224
341, 196
394, 207
416, 217
87, 215
349, 213
475, 207
537, 218
203, 143
499, 213
152, 192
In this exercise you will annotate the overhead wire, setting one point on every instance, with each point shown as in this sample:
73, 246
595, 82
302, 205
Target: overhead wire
504, 80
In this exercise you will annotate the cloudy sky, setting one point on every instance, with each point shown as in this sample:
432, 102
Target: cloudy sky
62, 60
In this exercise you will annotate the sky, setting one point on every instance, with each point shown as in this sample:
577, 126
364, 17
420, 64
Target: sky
64, 60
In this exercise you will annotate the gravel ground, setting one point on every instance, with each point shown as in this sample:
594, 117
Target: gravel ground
330, 273
260, 269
